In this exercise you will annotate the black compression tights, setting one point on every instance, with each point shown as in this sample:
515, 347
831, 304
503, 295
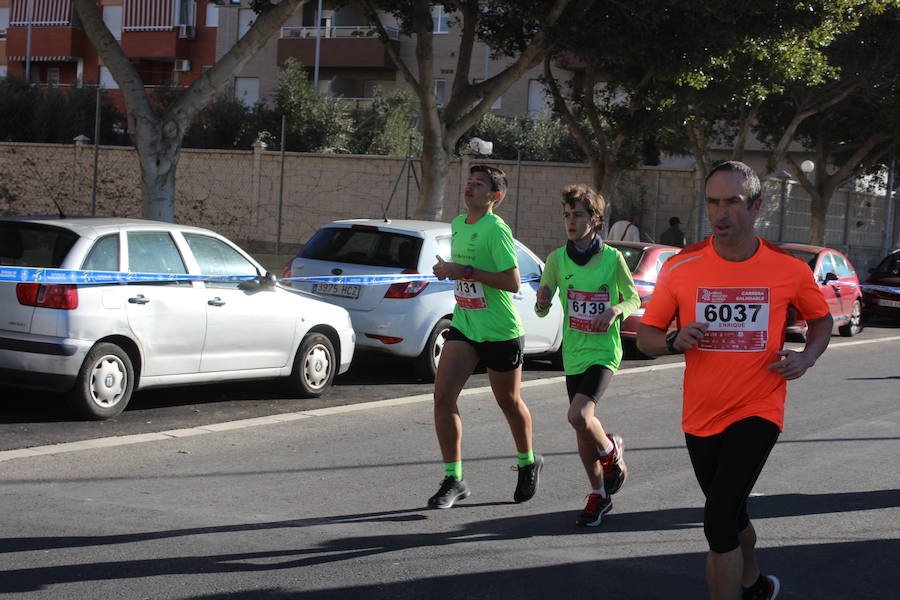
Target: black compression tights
727, 465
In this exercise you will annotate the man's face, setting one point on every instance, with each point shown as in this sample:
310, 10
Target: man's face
726, 205
479, 195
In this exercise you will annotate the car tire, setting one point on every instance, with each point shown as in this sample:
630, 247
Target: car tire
314, 366
854, 326
104, 384
427, 362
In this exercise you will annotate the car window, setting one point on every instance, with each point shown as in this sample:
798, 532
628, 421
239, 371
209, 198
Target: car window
890, 266
32, 245
632, 256
104, 254
841, 265
528, 267
809, 258
154, 252
364, 245
663, 257
215, 257
826, 265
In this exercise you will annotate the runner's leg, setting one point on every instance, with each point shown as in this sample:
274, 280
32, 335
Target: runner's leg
507, 388
458, 361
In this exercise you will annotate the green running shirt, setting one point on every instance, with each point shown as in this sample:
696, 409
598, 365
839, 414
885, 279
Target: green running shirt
582, 290
484, 313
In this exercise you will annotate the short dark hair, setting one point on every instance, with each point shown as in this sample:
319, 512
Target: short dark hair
674, 221
499, 182
754, 189
593, 202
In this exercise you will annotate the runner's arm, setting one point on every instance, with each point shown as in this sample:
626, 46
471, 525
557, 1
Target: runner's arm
508, 280
794, 364
548, 286
652, 340
630, 299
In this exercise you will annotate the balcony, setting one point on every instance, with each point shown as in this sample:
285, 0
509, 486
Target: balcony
160, 44
341, 47
59, 43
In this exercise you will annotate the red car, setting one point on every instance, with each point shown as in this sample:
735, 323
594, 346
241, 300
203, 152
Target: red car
839, 284
644, 260
881, 291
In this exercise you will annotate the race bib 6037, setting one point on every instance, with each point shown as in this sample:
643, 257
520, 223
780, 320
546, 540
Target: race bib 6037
738, 318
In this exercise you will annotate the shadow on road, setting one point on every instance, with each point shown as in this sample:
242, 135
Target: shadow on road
837, 570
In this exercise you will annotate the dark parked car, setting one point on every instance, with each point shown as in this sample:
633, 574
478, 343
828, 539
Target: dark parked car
881, 291
839, 284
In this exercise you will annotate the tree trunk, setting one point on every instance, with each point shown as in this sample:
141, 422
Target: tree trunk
435, 165
818, 209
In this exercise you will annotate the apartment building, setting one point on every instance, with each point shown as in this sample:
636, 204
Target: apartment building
169, 41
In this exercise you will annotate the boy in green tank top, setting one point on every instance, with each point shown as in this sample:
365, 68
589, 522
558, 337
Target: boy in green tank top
486, 328
590, 277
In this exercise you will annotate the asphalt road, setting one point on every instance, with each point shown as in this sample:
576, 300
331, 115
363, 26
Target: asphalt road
329, 502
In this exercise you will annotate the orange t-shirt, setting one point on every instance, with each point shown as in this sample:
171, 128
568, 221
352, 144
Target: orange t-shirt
746, 305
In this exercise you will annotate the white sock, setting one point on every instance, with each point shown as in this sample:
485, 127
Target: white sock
601, 492
603, 452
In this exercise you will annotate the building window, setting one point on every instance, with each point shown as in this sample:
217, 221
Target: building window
4, 21
538, 100
246, 90
440, 19
498, 103
440, 87
212, 15
106, 79
2, 70
112, 17
52, 75
246, 17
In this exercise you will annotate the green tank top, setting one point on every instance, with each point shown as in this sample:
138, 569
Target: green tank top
484, 313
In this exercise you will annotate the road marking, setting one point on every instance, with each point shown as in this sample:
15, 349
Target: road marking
138, 438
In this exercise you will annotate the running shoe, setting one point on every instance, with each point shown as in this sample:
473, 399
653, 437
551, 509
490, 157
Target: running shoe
450, 491
765, 588
528, 479
593, 512
614, 470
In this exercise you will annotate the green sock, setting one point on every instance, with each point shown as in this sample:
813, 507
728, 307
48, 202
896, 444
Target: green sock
525, 458
454, 470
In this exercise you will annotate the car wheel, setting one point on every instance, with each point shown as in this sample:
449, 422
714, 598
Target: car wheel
104, 384
854, 326
427, 362
314, 366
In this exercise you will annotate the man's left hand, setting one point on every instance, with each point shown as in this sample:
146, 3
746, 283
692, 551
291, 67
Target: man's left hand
793, 364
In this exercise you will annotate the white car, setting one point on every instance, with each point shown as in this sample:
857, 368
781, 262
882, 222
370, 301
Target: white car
98, 342
408, 319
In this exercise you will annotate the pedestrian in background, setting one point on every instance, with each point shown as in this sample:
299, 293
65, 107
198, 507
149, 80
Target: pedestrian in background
673, 236
625, 230
590, 277
730, 294
486, 328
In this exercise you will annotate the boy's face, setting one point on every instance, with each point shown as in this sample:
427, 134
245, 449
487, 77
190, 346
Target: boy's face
479, 195
579, 222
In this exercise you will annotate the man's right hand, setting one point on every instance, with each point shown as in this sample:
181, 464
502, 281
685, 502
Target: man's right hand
543, 297
690, 335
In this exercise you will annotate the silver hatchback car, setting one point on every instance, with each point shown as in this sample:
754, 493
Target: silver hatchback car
98, 342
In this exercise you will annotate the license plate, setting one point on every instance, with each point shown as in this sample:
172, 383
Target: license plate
892, 303
337, 289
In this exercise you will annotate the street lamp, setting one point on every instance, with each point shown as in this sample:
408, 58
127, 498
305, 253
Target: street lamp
807, 166
479, 146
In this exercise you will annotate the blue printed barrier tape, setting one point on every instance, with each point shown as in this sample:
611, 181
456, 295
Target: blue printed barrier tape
35, 274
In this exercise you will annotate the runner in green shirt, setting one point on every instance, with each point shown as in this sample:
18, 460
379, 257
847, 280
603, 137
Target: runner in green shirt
486, 328
590, 277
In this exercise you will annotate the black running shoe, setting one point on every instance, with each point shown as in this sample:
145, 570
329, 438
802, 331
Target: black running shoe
765, 588
528, 479
450, 491
593, 512
614, 469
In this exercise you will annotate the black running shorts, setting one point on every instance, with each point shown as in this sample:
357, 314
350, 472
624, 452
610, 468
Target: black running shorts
496, 356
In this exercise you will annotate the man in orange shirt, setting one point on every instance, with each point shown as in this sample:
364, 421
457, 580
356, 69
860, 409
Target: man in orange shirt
730, 294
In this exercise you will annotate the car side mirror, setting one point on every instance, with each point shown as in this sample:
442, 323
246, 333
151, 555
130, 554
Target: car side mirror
268, 281
830, 276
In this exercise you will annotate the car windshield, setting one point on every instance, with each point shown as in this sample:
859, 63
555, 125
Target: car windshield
632, 256
890, 266
33, 245
364, 245
807, 257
